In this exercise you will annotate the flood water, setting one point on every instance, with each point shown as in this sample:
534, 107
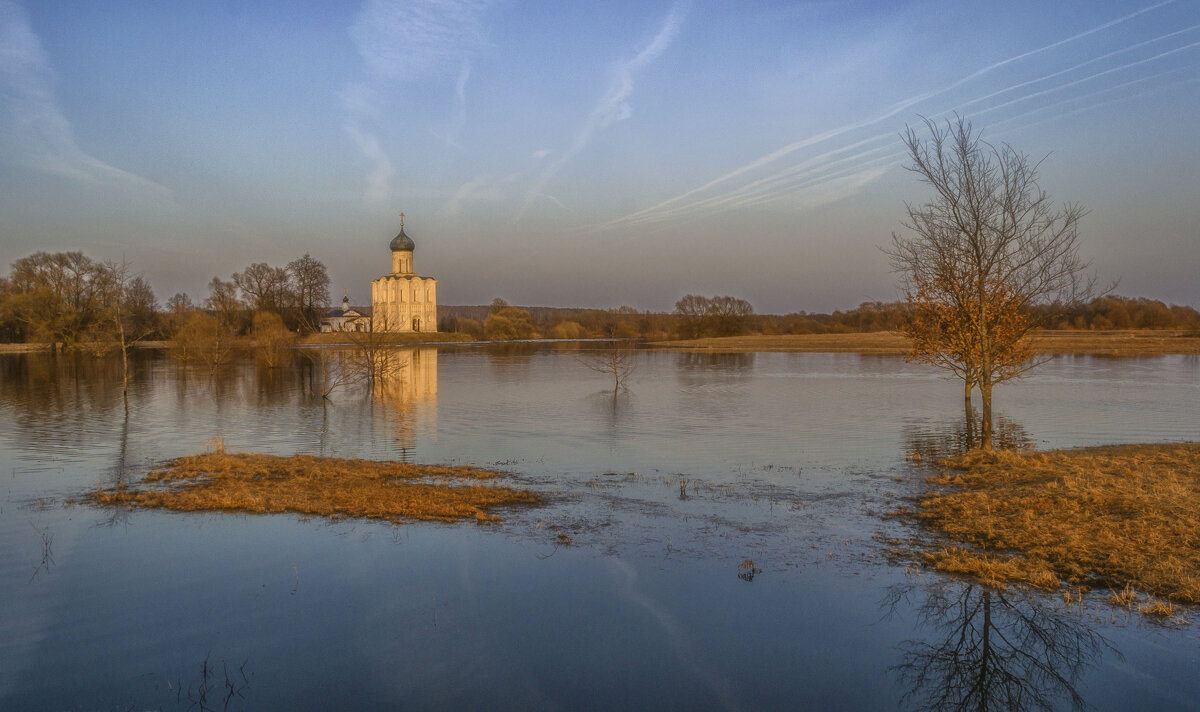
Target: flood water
789, 460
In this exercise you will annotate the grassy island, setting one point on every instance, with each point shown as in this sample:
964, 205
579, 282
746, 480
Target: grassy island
1124, 518
319, 486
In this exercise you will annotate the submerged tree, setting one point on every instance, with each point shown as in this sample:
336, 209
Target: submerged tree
616, 362
203, 339
272, 340
988, 248
129, 313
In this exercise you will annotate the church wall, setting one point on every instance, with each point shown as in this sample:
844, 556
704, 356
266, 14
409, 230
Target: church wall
399, 299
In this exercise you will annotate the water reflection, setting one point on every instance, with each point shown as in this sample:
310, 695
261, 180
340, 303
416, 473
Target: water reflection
408, 394
691, 362
49, 394
938, 440
992, 650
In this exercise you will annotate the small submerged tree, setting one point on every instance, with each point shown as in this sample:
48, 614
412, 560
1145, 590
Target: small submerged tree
983, 253
272, 340
129, 313
375, 355
203, 339
616, 362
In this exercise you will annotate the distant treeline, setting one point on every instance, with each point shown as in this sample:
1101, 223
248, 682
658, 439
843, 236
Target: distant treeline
726, 316
1103, 313
68, 298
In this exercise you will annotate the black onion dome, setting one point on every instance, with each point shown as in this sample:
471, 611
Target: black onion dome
402, 242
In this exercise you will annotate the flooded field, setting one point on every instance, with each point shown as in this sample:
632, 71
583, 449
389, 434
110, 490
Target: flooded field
712, 537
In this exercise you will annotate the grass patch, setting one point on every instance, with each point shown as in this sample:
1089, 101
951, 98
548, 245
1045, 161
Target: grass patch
1125, 518
319, 486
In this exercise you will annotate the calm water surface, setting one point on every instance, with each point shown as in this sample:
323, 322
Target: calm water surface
786, 459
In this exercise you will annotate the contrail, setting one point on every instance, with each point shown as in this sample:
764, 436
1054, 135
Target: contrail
808, 173
1090, 77
789, 176
1081, 65
889, 113
1086, 107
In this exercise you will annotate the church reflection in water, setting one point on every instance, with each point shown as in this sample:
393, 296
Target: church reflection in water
407, 391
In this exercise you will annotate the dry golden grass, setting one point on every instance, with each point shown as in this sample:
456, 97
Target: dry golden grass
1142, 342
1158, 609
319, 486
1123, 517
1131, 342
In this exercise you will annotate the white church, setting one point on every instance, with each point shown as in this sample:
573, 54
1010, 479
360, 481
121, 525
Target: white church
401, 301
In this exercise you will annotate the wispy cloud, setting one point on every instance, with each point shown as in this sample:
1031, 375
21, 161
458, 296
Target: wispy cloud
405, 40
379, 180
402, 41
34, 132
614, 104
839, 171
458, 115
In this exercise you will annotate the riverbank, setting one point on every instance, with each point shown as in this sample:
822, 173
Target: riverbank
1143, 342
1134, 342
1123, 518
318, 486
342, 338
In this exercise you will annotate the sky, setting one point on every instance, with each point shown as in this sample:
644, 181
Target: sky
582, 154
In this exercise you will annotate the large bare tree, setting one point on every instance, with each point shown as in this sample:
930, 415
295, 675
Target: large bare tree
987, 248
265, 288
310, 283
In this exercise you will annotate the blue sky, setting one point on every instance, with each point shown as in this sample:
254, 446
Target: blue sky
582, 154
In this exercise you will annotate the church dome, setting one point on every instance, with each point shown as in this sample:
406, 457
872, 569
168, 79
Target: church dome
402, 242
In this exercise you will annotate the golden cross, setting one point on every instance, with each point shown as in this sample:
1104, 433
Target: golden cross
401, 219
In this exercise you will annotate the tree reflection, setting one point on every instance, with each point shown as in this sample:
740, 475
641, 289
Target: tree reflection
992, 650
730, 363
937, 441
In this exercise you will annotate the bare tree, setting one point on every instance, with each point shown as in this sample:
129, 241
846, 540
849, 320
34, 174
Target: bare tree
329, 369
310, 283
272, 340
224, 302
205, 339
616, 362
264, 287
988, 248
715, 316
129, 314
376, 357
55, 297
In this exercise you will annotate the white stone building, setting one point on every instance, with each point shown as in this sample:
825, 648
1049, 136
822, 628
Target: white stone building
403, 300
347, 318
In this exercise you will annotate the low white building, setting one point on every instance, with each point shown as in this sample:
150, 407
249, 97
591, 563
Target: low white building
347, 318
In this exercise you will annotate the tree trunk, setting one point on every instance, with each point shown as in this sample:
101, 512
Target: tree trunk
970, 416
985, 397
124, 370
